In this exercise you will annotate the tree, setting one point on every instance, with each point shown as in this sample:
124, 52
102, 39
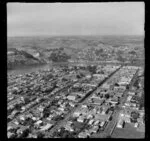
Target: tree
46, 114
144, 118
109, 136
25, 133
98, 52
107, 96
132, 52
40, 135
27, 100
120, 58
17, 107
13, 136
134, 115
127, 87
136, 83
141, 101
92, 69
59, 56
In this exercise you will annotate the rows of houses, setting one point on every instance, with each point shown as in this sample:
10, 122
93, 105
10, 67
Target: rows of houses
36, 105
96, 113
133, 112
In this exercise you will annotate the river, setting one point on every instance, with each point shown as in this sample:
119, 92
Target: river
28, 69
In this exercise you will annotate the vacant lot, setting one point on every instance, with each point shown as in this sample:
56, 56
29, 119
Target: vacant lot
127, 132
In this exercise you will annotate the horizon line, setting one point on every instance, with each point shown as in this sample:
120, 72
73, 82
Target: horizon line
72, 35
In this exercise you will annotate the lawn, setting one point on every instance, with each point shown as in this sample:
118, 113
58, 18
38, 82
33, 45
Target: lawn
127, 132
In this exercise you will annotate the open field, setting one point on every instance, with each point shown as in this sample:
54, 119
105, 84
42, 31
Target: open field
127, 132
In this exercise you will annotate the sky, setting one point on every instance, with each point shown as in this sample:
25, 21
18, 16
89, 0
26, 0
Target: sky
37, 19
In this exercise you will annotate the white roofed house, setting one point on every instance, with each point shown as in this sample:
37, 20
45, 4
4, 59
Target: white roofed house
9, 134
68, 127
71, 97
113, 100
82, 135
46, 127
89, 116
36, 54
127, 118
95, 129
91, 121
80, 119
120, 123
127, 104
105, 86
131, 93
123, 83
10, 52
129, 98
76, 114
116, 88
71, 104
22, 117
122, 88
38, 123
136, 124
102, 123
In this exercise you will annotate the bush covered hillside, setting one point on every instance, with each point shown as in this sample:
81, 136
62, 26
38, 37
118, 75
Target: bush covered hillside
18, 58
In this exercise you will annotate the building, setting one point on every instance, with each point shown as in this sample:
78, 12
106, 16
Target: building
129, 98
76, 114
71, 97
46, 127
120, 123
80, 119
105, 86
10, 53
136, 124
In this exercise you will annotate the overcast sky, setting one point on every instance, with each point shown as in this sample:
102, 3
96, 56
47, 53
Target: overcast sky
122, 18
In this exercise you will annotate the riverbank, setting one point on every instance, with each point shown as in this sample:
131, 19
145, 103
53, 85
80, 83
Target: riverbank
31, 68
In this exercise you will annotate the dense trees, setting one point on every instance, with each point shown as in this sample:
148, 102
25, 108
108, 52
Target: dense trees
136, 83
127, 87
141, 101
40, 135
25, 133
92, 69
22, 58
98, 52
107, 96
134, 116
59, 56
120, 58
132, 52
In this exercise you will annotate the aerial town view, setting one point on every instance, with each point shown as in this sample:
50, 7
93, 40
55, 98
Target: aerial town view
74, 86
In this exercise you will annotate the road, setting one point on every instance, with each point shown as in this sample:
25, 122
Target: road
123, 100
73, 110
62, 122
108, 131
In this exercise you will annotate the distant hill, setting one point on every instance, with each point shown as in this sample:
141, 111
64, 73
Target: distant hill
89, 48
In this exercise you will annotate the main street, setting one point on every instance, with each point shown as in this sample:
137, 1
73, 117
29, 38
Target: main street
83, 100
